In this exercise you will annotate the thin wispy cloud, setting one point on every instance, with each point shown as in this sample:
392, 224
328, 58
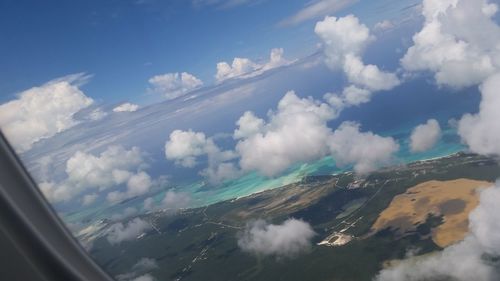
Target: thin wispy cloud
224, 4
317, 9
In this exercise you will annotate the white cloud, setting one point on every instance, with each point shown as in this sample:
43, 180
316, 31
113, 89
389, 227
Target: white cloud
338, 103
342, 36
137, 184
223, 4
185, 146
459, 42
466, 260
114, 167
219, 169
296, 132
145, 277
128, 212
481, 131
383, 25
239, 67
248, 125
149, 204
368, 76
317, 9
97, 114
145, 264
365, 150
353, 95
126, 107
245, 68
173, 85
344, 41
88, 199
137, 274
172, 201
285, 240
175, 200
57, 192
425, 136
120, 232
276, 59
41, 112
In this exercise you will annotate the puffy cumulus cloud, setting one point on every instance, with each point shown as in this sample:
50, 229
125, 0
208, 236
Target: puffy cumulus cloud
425, 136
368, 76
342, 36
338, 103
43, 111
467, 260
149, 204
365, 150
128, 212
219, 169
175, 200
145, 277
296, 132
145, 264
172, 201
239, 67
285, 240
276, 59
137, 184
120, 232
174, 85
353, 95
57, 192
139, 271
245, 68
344, 41
459, 42
184, 147
383, 25
113, 167
317, 9
248, 125
481, 131
89, 199
126, 107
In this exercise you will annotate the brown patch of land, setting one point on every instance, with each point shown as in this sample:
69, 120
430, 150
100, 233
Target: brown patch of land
453, 200
282, 200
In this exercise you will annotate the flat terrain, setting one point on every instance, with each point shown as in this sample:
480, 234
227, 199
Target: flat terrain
360, 224
452, 200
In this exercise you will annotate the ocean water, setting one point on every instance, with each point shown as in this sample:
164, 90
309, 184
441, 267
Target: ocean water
203, 195
394, 113
254, 182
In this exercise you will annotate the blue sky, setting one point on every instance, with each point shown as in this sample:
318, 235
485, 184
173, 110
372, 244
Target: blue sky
348, 77
124, 43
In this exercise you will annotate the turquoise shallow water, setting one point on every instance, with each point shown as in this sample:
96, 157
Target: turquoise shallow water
253, 182
203, 195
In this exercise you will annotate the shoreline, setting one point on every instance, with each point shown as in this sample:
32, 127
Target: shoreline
234, 199
333, 174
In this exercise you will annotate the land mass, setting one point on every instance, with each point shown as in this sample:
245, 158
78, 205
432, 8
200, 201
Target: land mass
361, 223
452, 201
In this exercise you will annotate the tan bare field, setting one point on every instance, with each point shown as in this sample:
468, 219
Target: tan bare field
454, 200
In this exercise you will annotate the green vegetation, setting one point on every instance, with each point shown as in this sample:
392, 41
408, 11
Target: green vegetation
201, 244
